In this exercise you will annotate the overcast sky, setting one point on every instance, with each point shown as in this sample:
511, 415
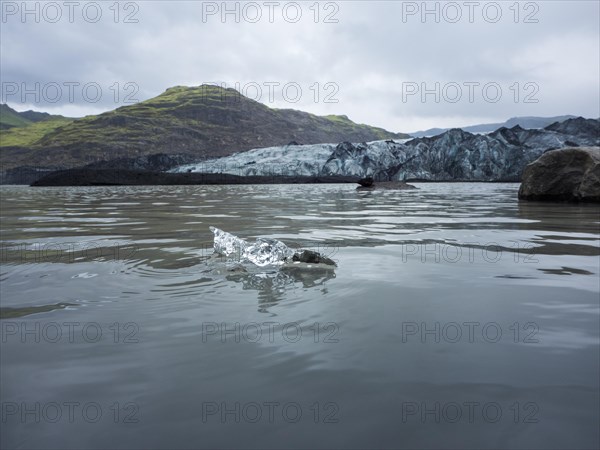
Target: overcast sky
484, 61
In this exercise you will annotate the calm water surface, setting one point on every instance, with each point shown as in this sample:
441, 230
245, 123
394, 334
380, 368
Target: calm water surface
456, 317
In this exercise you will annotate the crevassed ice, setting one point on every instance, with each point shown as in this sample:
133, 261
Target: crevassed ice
263, 252
284, 160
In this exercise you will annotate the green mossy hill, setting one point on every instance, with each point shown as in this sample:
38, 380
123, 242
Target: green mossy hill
204, 121
9, 118
29, 135
25, 129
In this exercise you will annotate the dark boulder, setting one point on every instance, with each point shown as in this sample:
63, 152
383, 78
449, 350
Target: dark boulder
366, 182
569, 174
310, 257
387, 185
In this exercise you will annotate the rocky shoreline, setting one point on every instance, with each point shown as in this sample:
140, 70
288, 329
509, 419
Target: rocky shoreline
104, 177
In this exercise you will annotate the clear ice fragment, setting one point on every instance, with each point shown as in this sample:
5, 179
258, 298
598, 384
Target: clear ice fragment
263, 252
227, 244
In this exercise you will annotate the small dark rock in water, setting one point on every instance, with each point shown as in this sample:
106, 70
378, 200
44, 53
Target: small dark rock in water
568, 174
293, 143
387, 185
366, 182
310, 257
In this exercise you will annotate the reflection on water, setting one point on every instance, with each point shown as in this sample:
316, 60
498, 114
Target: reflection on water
451, 294
273, 286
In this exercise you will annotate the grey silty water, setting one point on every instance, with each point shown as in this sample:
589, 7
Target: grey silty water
456, 317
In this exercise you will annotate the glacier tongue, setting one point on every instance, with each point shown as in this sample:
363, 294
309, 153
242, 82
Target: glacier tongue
450, 156
305, 160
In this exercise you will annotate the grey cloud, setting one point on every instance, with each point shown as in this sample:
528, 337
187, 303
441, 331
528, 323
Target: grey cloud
369, 54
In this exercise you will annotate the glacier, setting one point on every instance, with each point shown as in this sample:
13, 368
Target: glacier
285, 160
454, 155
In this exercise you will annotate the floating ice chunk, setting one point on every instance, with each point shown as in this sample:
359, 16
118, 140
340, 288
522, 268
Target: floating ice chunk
263, 252
228, 244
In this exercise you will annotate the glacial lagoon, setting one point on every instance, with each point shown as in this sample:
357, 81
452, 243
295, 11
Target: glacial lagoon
456, 316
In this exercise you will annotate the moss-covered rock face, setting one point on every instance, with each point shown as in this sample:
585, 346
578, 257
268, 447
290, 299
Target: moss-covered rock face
204, 121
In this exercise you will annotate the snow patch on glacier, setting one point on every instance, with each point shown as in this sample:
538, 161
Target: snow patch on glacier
306, 160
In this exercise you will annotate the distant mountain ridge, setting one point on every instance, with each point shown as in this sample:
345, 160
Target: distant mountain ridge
527, 122
21, 129
9, 118
203, 121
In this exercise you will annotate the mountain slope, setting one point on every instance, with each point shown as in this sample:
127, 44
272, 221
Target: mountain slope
204, 121
28, 135
9, 118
